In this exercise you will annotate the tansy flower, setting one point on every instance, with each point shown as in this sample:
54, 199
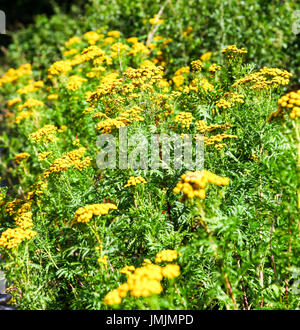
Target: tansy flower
133, 181
84, 214
192, 184
166, 255
21, 156
171, 271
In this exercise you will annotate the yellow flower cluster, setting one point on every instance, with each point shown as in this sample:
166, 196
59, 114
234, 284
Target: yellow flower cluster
72, 41
21, 156
178, 80
201, 126
196, 65
31, 87
13, 237
155, 20
59, 67
223, 104
84, 214
52, 97
148, 75
132, 114
232, 50
103, 260
166, 255
70, 52
206, 56
229, 99
114, 34
108, 125
44, 134
75, 82
118, 48
11, 206
110, 84
206, 85
71, 159
265, 78
91, 52
14, 74
30, 103
92, 37
218, 138
133, 181
24, 220
289, 102
214, 68
185, 119
13, 101
22, 115
192, 184
182, 70
142, 282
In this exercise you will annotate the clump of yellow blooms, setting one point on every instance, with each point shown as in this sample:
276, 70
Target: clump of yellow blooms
13, 237
92, 37
217, 139
14, 74
114, 34
30, 103
214, 68
145, 76
24, 220
133, 181
265, 78
196, 65
118, 48
21, 156
205, 84
44, 134
171, 271
155, 20
60, 67
185, 119
223, 104
228, 100
13, 101
71, 159
91, 52
70, 52
127, 270
22, 115
72, 41
182, 70
52, 97
103, 260
142, 282
11, 206
44, 155
84, 214
75, 82
166, 255
201, 126
232, 51
31, 87
206, 56
110, 84
290, 103
192, 184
